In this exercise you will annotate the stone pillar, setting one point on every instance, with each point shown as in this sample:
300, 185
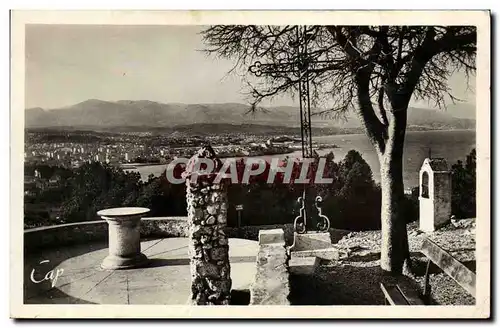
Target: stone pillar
208, 244
124, 237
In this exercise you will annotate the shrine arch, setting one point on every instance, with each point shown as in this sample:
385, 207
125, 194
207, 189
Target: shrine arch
424, 185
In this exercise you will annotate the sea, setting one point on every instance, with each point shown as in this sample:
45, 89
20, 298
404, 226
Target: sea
453, 145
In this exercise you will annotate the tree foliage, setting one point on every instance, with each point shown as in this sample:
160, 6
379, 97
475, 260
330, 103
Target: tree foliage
95, 186
385, 63
351, 202
276, 203
463, 199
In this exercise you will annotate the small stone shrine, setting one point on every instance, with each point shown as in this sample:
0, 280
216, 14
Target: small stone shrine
207, 217
434, 194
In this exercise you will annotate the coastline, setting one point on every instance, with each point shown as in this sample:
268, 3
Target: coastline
407, 130
418, 144
131, 166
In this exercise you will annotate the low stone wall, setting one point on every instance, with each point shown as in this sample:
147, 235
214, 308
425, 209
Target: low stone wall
164, 227
65, 234
91, 231
160, 227
271, 282
252, 232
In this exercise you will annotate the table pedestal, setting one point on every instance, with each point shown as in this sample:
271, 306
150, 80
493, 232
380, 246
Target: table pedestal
124, 238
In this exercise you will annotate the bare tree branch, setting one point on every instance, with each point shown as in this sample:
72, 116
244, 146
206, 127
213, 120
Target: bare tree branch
416, 61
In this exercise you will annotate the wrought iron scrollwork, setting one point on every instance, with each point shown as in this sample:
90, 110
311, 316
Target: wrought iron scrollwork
299, 224
324, 223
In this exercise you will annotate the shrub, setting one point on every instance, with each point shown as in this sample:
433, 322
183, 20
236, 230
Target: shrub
351, 201
463, 198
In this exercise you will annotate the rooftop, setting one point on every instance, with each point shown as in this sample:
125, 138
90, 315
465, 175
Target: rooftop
438, 164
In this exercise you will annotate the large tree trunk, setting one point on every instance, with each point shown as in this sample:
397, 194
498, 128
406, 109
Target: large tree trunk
388, 141
394, 236
394, 249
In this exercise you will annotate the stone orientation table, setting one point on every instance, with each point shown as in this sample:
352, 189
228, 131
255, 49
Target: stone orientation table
124, 237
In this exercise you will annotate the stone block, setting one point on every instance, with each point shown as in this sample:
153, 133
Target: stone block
221, 219
219, 253
325, 254
311, 241
271, 282
210, 220
272, 236
303, 265
206, 269
212, 209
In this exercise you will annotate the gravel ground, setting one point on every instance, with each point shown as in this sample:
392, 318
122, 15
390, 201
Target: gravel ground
355, 279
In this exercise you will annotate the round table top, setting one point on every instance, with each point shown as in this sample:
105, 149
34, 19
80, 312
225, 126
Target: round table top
123, 211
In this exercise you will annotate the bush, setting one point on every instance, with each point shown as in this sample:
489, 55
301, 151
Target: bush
95, 186
163, 198
410, 206
463, 198
356, 195
351, 201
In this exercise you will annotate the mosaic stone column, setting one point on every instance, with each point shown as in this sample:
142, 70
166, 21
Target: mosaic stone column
208, 246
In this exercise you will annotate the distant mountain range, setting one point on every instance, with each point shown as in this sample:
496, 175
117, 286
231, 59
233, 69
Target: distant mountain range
129, 114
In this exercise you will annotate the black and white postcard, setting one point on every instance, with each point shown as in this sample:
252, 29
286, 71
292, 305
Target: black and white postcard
328, 164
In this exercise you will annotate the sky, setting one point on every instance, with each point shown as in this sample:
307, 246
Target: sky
67, 64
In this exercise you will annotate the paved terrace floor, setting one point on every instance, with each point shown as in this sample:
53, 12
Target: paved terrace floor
166, 280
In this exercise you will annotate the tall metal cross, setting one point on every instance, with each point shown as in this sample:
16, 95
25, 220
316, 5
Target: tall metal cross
301, 66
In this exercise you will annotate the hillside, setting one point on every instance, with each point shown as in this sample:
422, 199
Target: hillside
100, 114
359, 268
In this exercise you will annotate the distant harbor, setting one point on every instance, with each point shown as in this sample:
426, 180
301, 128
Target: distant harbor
452, 145
257, 153
132, 166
